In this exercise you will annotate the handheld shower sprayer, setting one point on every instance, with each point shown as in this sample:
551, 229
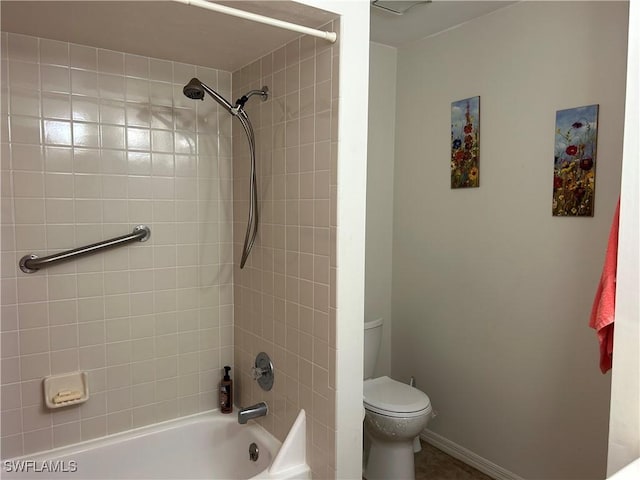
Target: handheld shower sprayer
195, 90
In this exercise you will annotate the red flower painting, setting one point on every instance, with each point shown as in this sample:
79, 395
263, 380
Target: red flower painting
575, 160
465, 143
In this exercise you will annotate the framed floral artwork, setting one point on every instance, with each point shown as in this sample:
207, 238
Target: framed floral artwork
574, 165
465, 143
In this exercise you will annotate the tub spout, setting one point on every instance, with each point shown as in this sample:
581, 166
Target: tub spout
254, 411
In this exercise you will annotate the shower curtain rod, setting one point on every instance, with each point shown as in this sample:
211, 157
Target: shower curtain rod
329, 36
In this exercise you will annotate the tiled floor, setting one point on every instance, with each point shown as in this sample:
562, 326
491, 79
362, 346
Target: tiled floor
434, 464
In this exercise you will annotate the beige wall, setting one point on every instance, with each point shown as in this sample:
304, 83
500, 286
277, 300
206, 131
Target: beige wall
93, 143
284, 298
491, 294
379, 235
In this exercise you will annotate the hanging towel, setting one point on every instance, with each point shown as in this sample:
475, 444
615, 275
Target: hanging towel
604, 303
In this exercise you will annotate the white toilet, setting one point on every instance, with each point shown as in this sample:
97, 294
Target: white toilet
394, 414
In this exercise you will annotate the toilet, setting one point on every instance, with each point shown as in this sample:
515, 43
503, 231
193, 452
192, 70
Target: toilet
395, 413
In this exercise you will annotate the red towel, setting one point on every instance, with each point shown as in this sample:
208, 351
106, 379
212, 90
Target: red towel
604, 303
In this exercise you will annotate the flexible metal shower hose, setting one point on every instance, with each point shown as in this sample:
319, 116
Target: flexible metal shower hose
252, 221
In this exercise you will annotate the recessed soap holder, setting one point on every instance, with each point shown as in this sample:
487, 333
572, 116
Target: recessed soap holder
66, 389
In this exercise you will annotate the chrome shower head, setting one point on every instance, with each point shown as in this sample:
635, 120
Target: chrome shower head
194, 89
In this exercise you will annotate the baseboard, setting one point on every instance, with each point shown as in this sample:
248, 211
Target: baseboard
468, 457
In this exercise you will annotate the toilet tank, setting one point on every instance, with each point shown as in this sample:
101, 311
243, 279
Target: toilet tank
372, 338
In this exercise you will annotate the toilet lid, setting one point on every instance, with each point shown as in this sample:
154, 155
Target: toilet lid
388, 397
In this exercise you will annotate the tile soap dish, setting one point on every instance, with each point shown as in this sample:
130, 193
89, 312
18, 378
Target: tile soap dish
66, 389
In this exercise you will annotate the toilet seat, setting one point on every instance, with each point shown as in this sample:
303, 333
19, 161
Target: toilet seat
391, 398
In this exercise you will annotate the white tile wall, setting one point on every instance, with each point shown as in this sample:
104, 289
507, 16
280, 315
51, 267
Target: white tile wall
285, 295
95, 142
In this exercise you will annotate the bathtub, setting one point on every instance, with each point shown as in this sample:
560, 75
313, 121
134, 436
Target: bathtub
208, 445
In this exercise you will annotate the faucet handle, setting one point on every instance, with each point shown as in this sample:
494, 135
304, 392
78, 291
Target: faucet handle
262, 371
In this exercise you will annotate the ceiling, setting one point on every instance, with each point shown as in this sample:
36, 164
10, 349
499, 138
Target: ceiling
163, 29
426, 19
175, 31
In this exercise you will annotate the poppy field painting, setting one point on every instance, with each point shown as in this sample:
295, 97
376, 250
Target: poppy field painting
465, 143
574, 168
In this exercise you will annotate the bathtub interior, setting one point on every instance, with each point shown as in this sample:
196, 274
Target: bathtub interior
206, 445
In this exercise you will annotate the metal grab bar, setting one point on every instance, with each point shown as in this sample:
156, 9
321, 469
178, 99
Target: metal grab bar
33, 263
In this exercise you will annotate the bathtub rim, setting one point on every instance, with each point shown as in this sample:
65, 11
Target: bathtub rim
86, 445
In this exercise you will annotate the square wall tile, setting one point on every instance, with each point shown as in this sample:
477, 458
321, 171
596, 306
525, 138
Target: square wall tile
282, 297
92, 141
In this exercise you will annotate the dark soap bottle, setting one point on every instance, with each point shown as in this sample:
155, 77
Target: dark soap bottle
226, 392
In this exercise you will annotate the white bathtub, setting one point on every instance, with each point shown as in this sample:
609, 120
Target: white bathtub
209, 445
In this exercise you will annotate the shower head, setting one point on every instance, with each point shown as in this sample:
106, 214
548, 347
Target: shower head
194, 89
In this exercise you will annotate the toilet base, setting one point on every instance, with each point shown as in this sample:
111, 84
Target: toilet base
389, 460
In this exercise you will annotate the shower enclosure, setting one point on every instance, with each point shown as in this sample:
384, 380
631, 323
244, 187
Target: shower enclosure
97, 137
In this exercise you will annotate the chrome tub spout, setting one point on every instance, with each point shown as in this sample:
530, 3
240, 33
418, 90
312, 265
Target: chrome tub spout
254, 411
